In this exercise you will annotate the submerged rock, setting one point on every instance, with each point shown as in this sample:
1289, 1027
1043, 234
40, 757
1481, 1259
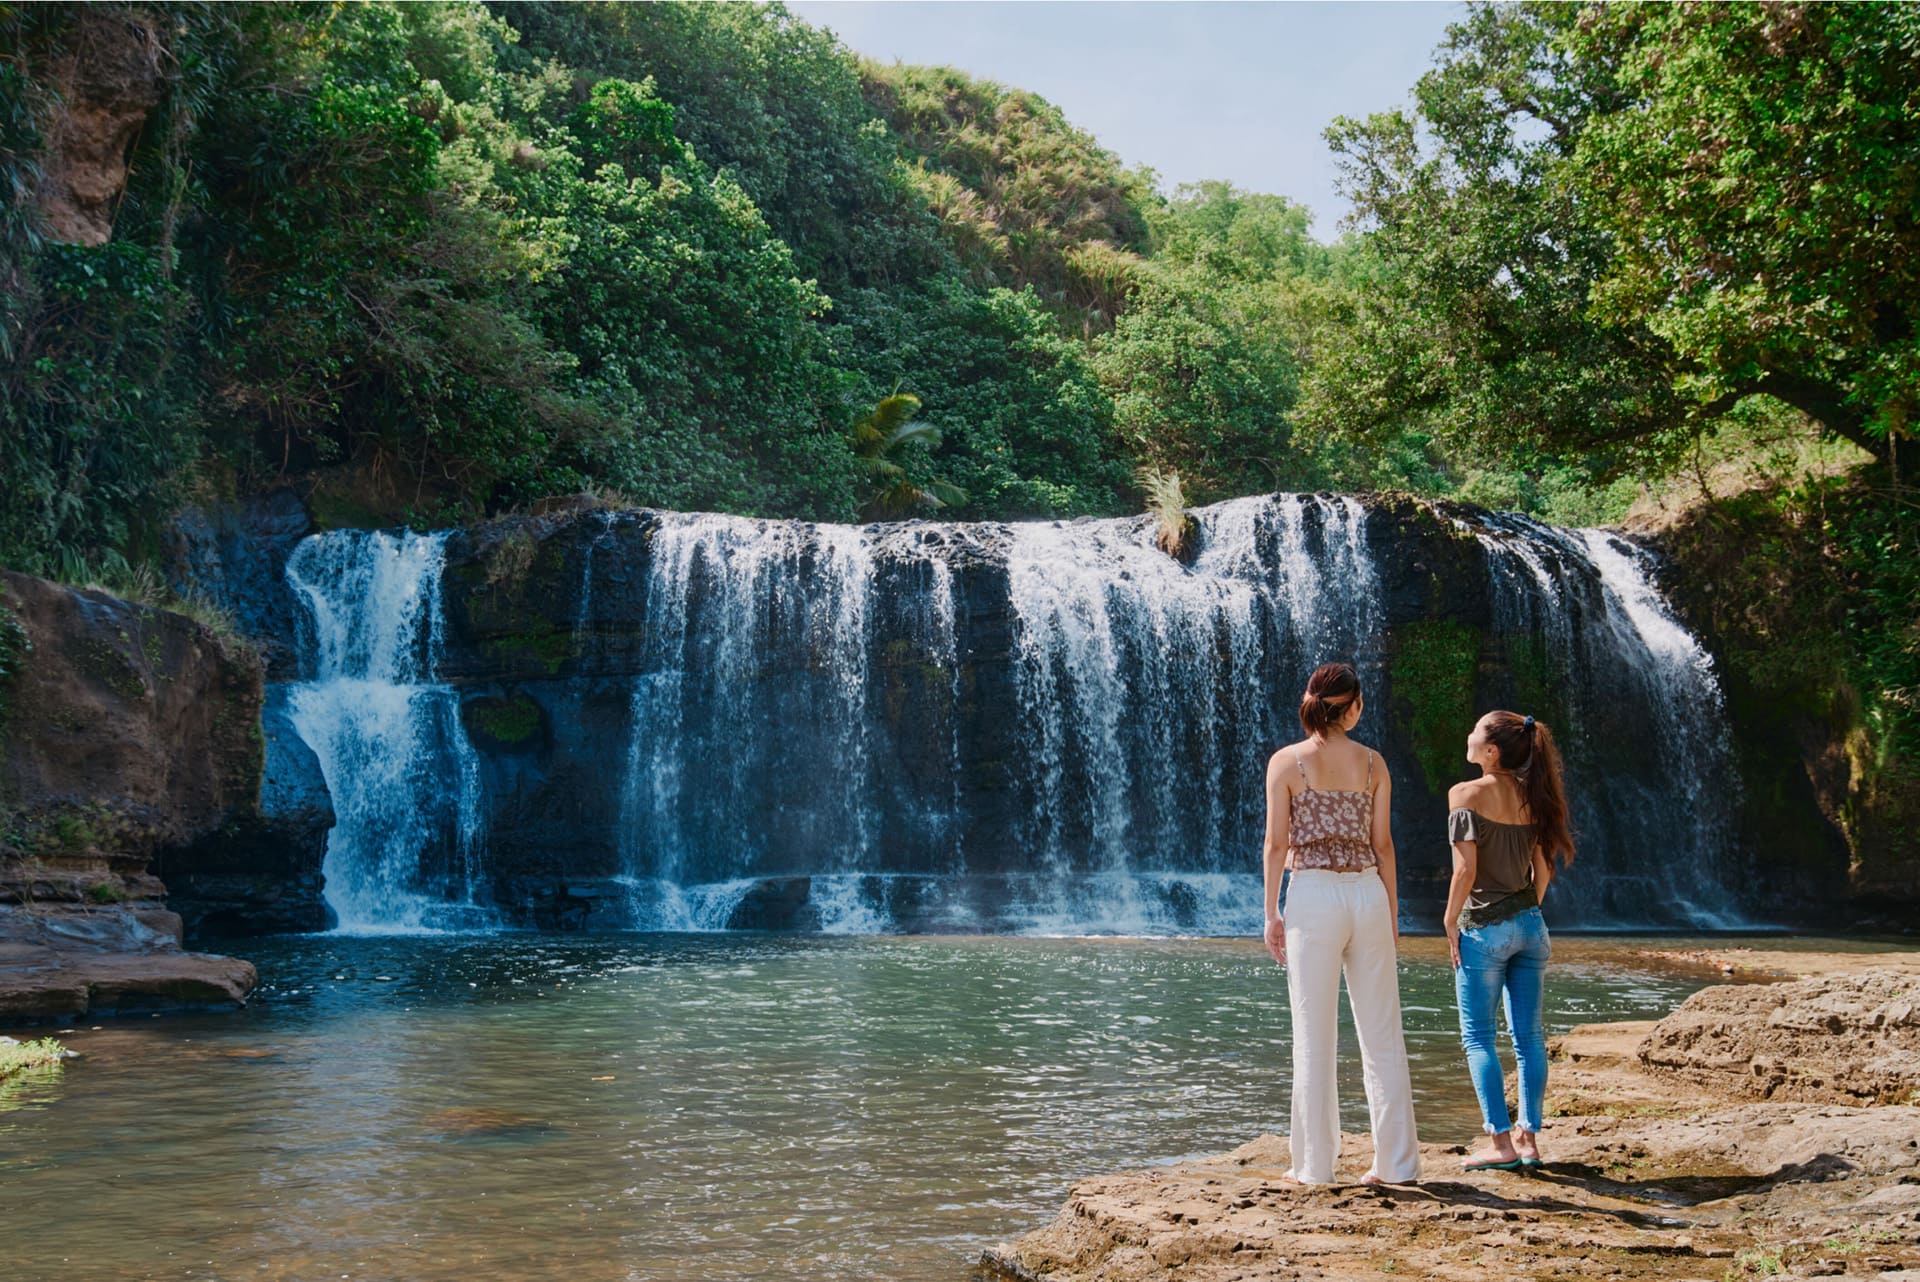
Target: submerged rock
485, 1123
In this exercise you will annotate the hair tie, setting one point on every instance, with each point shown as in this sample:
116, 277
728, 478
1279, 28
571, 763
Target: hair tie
1528, 723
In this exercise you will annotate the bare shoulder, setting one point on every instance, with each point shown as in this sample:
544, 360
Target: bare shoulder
1376, 765
1282, 760
1463, 794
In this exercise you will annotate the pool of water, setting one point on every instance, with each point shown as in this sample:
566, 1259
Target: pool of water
677, 1107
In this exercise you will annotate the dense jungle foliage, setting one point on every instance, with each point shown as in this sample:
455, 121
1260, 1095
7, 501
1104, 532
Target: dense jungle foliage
439, 260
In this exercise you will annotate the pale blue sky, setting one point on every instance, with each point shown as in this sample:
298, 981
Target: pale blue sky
1239, 91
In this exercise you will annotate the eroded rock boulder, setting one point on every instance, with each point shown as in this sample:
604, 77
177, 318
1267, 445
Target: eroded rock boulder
127, 729
108, 75
1845, 1039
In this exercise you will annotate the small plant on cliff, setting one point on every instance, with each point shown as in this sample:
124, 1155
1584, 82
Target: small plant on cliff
1755, 1262
882, 440
1857, 1239
1167, 501
19, 1057
107, 892
511, 558
14, 646
210, 614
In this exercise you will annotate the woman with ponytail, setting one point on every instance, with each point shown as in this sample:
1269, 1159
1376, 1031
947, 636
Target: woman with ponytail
1328, 835
1509, 830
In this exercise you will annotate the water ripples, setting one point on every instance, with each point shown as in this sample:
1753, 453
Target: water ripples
655, 1107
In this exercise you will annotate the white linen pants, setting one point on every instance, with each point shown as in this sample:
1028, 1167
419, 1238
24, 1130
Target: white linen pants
1339, 921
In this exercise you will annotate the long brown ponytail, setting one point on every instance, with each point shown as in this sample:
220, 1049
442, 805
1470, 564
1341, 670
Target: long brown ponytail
1527, 749
1331, 690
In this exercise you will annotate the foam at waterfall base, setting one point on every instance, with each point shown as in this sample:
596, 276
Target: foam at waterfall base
422, 917
854, 903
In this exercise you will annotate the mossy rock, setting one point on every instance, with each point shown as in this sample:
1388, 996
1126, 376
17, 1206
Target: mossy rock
515, 722
548, 647
1432, 663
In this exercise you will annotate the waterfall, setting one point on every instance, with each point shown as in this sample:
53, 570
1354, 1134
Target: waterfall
583, 608
1633, 698
1150, 694
749, 740
406, 850
1048, 727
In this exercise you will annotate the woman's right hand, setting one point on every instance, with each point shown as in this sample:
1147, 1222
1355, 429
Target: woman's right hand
1277, 939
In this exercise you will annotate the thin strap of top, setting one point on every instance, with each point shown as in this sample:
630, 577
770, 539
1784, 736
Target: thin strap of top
1369, 769
1303, 771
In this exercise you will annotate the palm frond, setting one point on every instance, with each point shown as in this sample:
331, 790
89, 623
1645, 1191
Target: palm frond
945, 494
914, 433
878, 425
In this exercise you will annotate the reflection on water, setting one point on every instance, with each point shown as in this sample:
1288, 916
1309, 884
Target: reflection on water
675, 1107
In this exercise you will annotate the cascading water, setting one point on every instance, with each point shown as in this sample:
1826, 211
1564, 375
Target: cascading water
1146, 696
1038, 727
406, 848
749, 736
804, 710
1594, 649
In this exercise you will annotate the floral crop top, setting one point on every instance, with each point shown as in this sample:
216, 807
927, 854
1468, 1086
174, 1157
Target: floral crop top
1332, 828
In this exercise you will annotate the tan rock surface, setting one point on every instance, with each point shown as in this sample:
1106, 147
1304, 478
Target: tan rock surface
110, 74
1850, 1039
1650, 1175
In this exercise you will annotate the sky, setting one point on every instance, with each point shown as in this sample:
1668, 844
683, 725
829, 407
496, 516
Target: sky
1240, 91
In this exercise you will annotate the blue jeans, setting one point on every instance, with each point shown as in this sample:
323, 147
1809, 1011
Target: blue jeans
1506, 959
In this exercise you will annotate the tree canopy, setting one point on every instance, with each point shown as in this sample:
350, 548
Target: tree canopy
431, 261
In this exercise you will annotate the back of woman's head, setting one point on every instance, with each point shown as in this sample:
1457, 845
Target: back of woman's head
1527, 749
1331, 690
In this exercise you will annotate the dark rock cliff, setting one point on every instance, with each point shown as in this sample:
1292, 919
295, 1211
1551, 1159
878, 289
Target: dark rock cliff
127, 733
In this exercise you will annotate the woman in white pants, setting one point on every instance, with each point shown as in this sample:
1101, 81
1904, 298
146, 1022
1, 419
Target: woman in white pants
1328, 830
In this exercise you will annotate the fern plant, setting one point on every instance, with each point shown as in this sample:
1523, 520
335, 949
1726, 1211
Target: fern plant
1167, 502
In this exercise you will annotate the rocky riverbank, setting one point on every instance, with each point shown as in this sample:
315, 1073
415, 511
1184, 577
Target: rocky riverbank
126, 732
1759, 1130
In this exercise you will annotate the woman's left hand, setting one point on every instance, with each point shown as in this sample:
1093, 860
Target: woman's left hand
1453, 942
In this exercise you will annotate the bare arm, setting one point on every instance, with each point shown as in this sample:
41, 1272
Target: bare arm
1466, 855
1273, 853
1383, 853
1466, 865
1542, 874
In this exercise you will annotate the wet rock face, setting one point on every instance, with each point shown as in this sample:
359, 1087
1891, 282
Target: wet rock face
129, 737
128, 730
1835, 1039
108, 77
259, 873
236, 554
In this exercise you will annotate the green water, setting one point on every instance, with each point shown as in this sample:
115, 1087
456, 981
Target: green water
774, 1107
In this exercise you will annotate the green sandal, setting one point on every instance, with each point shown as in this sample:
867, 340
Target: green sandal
1514, 1165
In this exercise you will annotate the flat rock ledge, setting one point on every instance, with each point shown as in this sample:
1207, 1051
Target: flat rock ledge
1664, 1162
57, 965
